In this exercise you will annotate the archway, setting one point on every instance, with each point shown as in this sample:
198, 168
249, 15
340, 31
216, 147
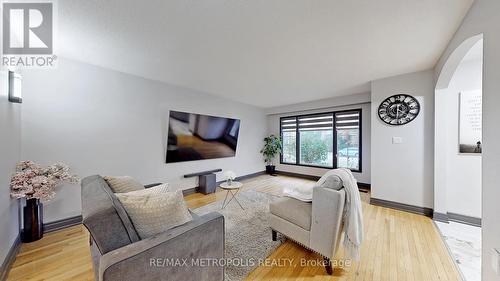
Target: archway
457, 163
453, 61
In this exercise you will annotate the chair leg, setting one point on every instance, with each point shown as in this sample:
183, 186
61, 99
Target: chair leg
328, 265
274, 234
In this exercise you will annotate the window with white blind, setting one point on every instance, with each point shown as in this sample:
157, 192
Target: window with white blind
316, 140
348, 139
325, 140
289, 140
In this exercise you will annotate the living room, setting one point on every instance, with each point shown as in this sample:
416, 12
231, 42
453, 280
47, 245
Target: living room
243, 140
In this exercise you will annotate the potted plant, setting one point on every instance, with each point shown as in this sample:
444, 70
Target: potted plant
272, 147
37, 184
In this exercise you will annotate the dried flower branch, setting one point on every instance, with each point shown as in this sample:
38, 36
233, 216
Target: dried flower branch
230, 175
34, 181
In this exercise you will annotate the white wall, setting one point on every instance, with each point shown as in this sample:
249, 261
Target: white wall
483, 18
100, 121
404, 172
10, 152
297, 109
461, 173
321, 104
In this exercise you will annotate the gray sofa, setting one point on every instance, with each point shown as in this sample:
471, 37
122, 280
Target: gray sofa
181, 253
316, 225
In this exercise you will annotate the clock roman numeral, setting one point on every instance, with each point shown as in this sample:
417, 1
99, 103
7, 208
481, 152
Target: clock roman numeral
403, 106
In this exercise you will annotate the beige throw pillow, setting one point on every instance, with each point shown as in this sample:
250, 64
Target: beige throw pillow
161, 188
123, 184
153, 213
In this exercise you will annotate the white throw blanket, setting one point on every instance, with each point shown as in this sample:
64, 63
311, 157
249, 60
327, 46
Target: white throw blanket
353, 213
302, 193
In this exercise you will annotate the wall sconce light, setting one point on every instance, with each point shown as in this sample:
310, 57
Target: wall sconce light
15, 93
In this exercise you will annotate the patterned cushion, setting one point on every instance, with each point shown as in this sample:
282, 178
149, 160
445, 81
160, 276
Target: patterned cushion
154, 212
123, 184
162, 188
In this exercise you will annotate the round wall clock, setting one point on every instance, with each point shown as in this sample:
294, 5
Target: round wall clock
399, 109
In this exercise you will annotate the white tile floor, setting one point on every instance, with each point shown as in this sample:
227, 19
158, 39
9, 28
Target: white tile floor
464, 242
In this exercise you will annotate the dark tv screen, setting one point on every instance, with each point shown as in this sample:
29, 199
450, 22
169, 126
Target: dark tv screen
198, 137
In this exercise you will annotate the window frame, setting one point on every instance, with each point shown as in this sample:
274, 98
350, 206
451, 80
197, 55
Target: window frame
334, 135
297, 148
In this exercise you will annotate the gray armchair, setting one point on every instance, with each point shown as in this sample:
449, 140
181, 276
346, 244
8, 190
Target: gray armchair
316, 225
118, 253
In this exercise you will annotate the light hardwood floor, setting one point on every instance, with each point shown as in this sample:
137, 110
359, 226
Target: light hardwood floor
398, 246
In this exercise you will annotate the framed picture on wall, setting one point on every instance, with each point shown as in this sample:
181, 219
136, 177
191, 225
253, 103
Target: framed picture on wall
470, 119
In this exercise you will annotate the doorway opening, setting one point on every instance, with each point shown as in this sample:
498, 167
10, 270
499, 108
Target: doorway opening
457, 155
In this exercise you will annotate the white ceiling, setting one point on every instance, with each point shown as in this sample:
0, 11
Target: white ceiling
261, 52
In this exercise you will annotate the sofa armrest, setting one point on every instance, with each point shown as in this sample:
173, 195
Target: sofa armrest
180, 253
326, 220
152, 184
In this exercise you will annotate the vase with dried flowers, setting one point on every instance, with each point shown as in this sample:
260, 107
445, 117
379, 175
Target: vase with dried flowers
230, 177
37, 184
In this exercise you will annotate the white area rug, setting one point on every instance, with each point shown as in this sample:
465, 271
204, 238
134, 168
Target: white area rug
248, 234
464, 242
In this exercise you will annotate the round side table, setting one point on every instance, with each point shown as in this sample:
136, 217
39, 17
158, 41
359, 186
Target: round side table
232, 189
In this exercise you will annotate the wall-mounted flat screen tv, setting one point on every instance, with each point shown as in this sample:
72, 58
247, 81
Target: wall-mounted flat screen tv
198, 137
